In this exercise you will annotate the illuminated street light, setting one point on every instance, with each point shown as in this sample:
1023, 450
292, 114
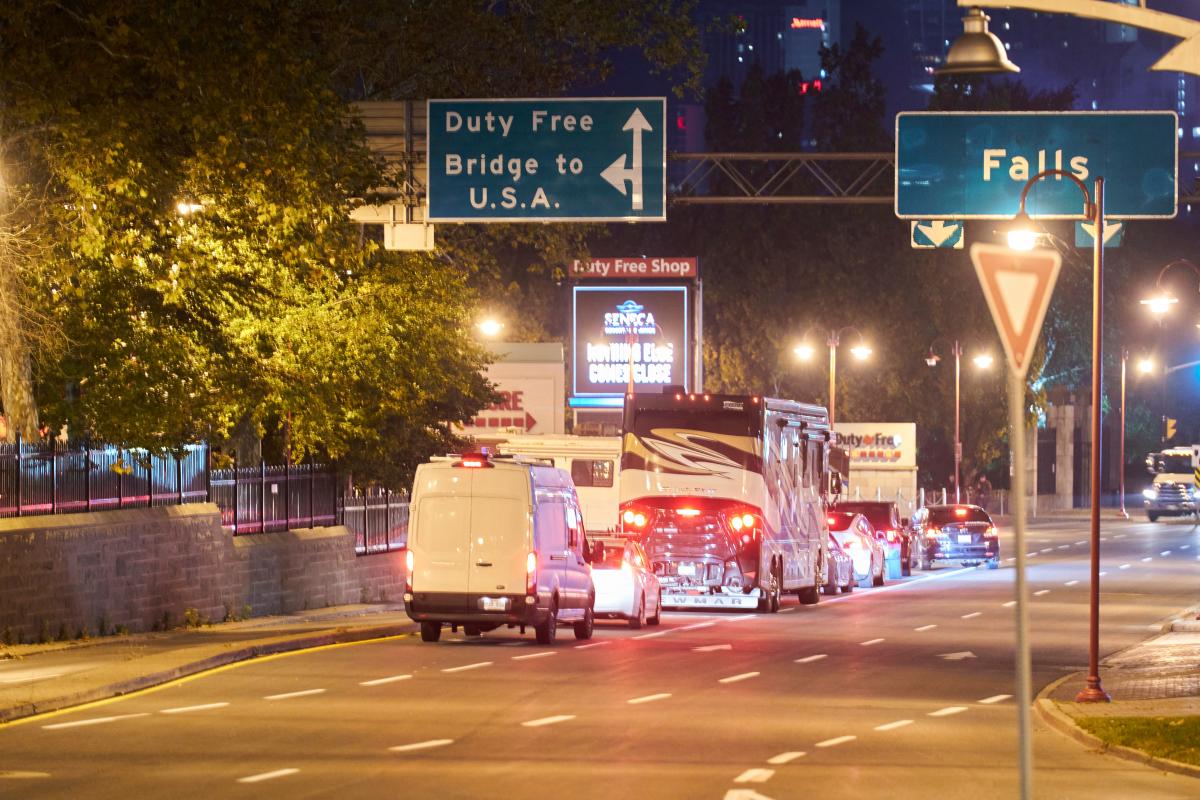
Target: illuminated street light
1145, 365
188, 207
983, 360
490, 327
1022, 236
861, 351
804, 351
1160, 304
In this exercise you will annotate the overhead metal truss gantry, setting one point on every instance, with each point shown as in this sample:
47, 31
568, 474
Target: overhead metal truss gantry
396, 132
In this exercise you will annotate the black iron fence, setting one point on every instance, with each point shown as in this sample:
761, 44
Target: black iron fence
60, 478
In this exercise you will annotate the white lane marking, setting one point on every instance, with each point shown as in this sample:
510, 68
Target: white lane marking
1119, 536
650, 698
1046, 550
28, 675
1009, 604
94, 721
694, 627
1102, 574
381, 681
786, 758
785, 610
289, 695
466, 667
266, 776
1041, 592
407, 748
1010, 560
542, 654
185, 709
1185, 547
1070, 583
996, 698
1082, 541
1123, 566
1147, 559
893, 587
870, 642
742, 677
712, 648
1165, 553
755, 775
21, 774
1031, 555
810, 659
947, 711
891, 726
592, 644
537, 723
835, 741
972, 615
742, 617
656, 634
1104, 538
1064, 547
508, 644
924, 628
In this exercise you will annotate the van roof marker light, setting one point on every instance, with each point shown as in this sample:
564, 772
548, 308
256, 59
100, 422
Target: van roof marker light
474, 461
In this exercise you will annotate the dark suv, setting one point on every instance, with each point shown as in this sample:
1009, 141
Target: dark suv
884, 516
961, 533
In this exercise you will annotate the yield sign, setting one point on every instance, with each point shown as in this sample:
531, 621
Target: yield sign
1017, 286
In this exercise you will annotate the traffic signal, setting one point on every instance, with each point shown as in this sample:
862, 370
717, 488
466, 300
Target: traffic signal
1170, 425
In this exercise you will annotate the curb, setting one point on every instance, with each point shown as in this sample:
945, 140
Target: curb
1050, 713
203, 665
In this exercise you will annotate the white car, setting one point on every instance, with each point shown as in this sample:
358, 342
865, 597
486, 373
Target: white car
625, 586
858, 539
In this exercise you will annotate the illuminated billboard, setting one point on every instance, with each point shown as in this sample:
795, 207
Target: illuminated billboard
616, 327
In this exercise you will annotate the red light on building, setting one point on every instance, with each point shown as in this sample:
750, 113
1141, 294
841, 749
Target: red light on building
802, 23
680, 122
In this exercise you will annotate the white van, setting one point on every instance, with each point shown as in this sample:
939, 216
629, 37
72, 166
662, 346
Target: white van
496, 541
593, 462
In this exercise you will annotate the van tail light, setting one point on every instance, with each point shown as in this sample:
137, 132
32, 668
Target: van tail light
634, 519
408, 570
531, 573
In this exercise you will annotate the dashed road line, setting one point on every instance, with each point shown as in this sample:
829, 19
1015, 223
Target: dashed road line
650, 698
870, 642
1123, 566
924, 628
81, 723
695, 626
591, 644
1009, 603
1010, 560
465, 667
542, 654
1046, 550
755, 775
810, 659
1165, 553
1082, 541
290, 695
1119, 536
1147, 559
656, 634
186, 709
1102, 574
537, 723
786, 758
947, 711
408, 748
835, 741
382, 681
1185, 547
1070, 583
1064, 547
1041, 592
742, 617
996, 698
266, 776
891, 726
742, 677
972, 615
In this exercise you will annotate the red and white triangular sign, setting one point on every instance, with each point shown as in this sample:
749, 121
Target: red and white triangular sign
1017, 286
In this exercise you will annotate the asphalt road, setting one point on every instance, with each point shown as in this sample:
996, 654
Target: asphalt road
899, 692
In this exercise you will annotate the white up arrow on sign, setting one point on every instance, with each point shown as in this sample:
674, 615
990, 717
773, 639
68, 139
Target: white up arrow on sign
616, 173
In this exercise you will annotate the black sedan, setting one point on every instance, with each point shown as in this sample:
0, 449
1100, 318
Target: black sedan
959, 533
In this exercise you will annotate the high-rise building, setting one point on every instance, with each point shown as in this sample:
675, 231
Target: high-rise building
779, 35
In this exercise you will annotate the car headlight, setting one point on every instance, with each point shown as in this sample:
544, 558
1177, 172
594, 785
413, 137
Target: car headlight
1150, 494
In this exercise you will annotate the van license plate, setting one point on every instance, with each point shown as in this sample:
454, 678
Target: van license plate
494, 603
687, 569
964, 538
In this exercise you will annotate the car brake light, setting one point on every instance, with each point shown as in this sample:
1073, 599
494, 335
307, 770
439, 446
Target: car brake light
531, 573
960, 512
830, 521
891, 535
408, 570
688, 512
991, 531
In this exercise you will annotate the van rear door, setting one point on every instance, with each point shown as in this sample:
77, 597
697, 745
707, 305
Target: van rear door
440, 538
500, 536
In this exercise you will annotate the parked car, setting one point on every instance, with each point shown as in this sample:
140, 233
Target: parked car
960, 533
856, 536
626, 588
496, 541
884, 516
841, 569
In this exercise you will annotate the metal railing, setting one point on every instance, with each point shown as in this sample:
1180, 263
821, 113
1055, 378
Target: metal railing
54, 477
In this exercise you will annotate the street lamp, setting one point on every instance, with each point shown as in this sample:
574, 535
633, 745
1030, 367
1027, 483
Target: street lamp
1145, 365
490, 327
977, 51
1161, 303
1093, 211
983, 361
861, 351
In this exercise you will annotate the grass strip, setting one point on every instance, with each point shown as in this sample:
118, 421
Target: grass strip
1176, 738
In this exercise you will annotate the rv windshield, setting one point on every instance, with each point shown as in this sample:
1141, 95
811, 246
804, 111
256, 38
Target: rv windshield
695, 439
1175, 465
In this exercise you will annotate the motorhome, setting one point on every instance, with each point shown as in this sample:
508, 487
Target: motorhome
592, 462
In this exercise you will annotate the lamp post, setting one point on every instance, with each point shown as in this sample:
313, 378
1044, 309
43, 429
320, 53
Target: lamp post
982, 361
861, 351
1022, 238
1121, 470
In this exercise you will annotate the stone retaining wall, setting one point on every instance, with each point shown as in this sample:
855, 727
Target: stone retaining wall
145, 568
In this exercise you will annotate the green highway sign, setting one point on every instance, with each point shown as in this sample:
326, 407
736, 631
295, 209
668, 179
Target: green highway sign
973, 165
547, 160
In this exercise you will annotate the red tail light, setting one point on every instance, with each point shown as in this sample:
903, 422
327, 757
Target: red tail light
531, 573
932, 533
408, 570
891, 535
634, 518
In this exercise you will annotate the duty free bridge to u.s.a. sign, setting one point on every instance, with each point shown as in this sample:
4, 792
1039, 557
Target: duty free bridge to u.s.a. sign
973, 165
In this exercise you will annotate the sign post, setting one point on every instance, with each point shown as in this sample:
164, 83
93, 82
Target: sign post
1018, 287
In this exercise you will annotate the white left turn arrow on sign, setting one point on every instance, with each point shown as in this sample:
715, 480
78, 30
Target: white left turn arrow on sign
617, 173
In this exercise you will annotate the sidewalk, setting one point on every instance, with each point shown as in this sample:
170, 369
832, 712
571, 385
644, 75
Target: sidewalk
1156, 678
35, 679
